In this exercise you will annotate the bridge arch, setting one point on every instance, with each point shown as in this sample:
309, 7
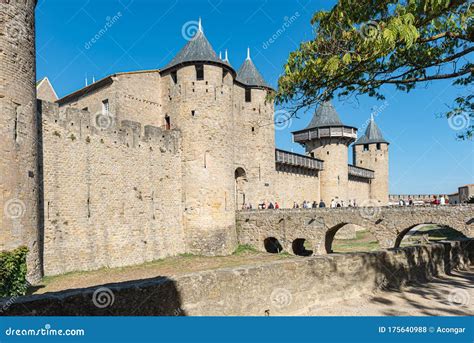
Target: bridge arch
331, 234
298, 247
402, 234
272, 245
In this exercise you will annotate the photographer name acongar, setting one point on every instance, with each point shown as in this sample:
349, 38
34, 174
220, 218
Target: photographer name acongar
422, 329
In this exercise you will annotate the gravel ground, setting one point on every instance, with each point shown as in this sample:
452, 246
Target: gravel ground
451, 295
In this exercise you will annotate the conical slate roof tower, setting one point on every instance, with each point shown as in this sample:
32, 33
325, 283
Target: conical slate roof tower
372, 134
325, 116
249, 75
197, 49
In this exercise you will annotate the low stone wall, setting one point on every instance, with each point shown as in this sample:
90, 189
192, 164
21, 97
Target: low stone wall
287, 287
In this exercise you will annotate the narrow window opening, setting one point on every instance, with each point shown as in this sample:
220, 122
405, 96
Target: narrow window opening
174, 77
253, 129
379, 146
366, 147
248, 95
199, 72
167, 122
15, 129
105, 107
193, 113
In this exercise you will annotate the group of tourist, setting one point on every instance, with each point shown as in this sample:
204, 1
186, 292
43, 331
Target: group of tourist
441, 200
305, 204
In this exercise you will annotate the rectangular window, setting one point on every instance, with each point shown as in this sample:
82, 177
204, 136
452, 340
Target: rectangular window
105, 107
379, 146
167, 123
174, 77
366, 147
199, 72
248, 95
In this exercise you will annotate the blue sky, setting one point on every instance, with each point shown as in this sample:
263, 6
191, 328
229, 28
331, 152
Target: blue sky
425, 156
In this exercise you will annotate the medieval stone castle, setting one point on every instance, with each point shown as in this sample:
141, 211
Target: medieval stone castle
143, 165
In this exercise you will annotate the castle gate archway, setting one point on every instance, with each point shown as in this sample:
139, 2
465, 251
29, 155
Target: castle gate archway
240, 187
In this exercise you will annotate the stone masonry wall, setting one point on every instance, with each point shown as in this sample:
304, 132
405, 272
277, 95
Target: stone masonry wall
111, 197
201, 109
358, 190
378, 161
290, 187
318, 226
254, 145
289, 287
19, 133
132, 96
334, 176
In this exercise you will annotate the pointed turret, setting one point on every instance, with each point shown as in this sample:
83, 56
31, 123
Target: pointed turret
325, 116
371, 151
249, 75
325, 124
198, 49
372, 134
328, 138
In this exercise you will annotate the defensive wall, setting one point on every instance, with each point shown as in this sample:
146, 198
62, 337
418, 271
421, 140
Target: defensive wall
112, 191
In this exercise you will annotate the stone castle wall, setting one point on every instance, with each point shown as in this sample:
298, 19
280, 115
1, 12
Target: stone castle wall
359, 190
376, 160
19, 132
132, 96
202, 110
111, 197
334, 177
290, 187
254, 145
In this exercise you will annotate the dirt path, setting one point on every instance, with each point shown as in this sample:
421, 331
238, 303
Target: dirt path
167, 267
445, 296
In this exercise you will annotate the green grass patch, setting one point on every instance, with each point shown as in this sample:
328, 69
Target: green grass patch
363, 242
244, 249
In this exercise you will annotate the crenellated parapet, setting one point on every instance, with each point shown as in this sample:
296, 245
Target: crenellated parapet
75, 124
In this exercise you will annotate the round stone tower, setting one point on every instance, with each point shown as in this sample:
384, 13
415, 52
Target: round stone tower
371, 151
19, 215
328, 139
198, 88
255, 131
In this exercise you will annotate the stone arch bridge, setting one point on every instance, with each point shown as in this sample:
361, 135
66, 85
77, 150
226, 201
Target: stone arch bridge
288, 229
